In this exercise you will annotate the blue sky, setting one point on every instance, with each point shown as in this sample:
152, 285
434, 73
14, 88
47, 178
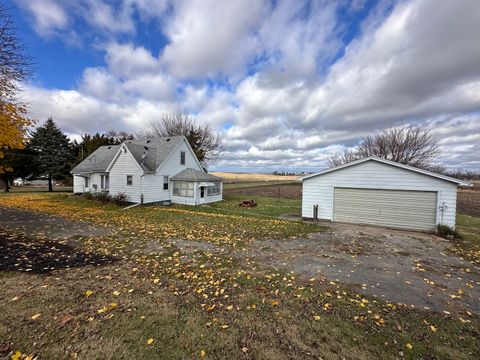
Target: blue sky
286, 82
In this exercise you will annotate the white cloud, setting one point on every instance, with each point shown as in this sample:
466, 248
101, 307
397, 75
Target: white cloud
48, 15
266, 74
210, 37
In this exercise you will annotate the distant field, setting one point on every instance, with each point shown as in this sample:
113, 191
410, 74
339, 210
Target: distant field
252, 177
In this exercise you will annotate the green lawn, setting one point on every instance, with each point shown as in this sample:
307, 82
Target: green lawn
265, 206
202, 303
469, 228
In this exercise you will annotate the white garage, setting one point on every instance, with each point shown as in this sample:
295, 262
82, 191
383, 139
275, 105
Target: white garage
380, 192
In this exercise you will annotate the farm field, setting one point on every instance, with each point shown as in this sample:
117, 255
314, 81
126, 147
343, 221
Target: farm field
232, 177
179, 282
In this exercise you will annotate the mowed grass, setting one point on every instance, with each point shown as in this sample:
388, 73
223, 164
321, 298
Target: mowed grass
469, 245
222, 223
265, 206
164, 302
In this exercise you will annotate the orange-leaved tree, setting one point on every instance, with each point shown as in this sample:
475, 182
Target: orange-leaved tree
15, 67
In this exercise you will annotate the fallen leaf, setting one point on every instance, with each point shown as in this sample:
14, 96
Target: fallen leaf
149, 341
36, 316
88, 293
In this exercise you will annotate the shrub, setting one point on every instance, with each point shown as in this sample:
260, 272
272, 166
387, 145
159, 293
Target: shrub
103, 197
119, 199
89, 195
445, 231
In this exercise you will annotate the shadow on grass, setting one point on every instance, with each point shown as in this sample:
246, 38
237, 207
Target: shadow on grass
23, 254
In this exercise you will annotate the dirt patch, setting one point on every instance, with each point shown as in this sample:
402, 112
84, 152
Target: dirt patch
468, 201
398, 266
23, 254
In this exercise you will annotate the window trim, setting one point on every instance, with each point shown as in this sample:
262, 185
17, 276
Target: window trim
184, 189
165, 182
214, 190
129, 177
182, 157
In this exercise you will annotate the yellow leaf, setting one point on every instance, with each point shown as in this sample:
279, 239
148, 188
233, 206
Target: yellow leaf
433, 328
409, 346
88, 293
316, 317
36, 316
16, 356
202, 353
149, 341
275, 303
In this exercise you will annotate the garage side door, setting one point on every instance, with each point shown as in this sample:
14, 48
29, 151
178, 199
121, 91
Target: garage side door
393, 208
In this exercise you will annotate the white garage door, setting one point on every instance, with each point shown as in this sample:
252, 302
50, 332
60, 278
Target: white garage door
393, 208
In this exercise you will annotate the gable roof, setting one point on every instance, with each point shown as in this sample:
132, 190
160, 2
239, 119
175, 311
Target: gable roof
97, 161
151, 153
391, 163
190, 174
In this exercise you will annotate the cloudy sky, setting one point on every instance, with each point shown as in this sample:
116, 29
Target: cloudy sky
287, 82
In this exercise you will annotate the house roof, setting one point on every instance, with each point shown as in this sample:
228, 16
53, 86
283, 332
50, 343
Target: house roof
391, 163
190, 174
151, 153
97, 161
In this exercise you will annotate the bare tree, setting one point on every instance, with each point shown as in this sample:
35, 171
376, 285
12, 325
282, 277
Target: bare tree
15, 65
406, 145
205, 142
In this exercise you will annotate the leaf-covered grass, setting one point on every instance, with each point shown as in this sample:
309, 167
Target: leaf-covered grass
223, 223
200, 303
469, 228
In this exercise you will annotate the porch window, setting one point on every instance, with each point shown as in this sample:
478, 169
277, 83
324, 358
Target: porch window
165, 183
129, 179
183, 188
213, 190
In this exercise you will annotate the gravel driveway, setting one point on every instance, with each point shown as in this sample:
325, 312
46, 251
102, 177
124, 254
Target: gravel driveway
398, 266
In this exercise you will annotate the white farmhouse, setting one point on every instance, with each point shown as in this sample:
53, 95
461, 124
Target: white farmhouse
148, 171
380, 192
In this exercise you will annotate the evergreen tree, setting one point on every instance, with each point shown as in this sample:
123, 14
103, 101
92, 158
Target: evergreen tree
17, 163
53, 151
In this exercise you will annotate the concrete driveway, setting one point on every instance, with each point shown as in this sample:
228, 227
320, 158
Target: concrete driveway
403, 267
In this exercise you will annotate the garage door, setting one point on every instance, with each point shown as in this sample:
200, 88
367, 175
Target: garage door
393, 208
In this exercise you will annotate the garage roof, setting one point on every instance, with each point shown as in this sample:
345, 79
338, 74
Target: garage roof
391, 163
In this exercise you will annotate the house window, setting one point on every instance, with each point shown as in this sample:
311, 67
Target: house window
214, 189
165, 183
129, 180
182, 158
104, 182
183, 188
86, 182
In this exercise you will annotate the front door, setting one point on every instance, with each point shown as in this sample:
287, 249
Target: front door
202, 192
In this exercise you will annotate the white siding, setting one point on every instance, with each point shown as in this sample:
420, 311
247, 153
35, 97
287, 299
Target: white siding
93, 179
78, 184
374, 175
153, 183
125, 165
210, 198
